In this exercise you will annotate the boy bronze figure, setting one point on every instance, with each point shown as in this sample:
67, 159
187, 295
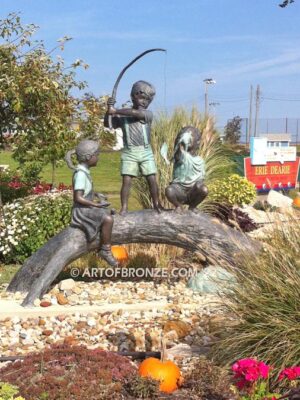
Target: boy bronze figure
137, 155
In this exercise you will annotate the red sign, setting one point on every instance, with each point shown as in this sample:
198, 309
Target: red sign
273, 175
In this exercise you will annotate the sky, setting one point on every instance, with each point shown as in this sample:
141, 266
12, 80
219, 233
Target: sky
238, 43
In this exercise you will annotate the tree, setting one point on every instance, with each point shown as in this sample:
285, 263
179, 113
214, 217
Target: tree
194, 232
37, 108
286, 3
232, 130
91, 112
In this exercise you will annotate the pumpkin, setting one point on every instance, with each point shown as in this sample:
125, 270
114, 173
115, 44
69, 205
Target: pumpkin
120, 253
296, 201
164, 371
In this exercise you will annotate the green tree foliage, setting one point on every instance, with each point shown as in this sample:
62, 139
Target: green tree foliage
286, 3
37, 110
233, 130
91, 111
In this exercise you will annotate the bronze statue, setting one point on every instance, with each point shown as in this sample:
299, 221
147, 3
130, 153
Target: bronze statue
90, 216
187, 186
137, 155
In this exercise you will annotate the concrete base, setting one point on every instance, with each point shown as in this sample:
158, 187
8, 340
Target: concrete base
11, 308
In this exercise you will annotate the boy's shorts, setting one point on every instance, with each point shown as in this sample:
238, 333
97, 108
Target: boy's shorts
136, 160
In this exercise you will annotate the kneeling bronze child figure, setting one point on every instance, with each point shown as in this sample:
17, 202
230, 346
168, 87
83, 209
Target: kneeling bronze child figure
187, 186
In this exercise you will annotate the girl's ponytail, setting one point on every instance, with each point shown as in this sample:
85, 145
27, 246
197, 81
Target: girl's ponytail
68, 159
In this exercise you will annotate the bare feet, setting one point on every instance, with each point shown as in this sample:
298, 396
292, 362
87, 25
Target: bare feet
123, 212
179, 210
159, 208
194, 210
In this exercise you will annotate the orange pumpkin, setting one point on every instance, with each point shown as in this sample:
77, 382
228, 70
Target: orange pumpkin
296, 201
120, 254
166, 372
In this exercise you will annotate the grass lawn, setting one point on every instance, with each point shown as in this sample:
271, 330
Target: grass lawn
106, 176
7, 272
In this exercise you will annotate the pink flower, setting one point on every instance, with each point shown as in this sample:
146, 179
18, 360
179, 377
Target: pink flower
291, 373
41, 187
241, 384
252, 374
15, 184
264, 370
248, 370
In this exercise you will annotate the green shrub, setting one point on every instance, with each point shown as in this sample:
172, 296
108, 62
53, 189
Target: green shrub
15, 184
8, 392
264, 206
12, 187
31, 222
263, 307
164, 130
233, 190
30, 172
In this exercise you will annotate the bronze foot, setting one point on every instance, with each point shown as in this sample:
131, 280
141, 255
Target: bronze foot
106, 254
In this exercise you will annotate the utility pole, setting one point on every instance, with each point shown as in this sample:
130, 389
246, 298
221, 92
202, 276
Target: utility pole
250, 115
257, 109
206, 99
207, 81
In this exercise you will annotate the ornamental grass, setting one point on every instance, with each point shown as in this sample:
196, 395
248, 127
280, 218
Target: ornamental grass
263, 308
164, 130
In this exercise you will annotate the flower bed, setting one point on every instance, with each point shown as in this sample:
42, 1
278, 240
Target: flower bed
30, 222
64, 371
19, 184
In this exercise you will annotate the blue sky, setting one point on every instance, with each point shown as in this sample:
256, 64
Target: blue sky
236, 42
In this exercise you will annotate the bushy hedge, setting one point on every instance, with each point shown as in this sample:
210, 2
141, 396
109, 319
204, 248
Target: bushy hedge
31, 222
12, 186
19, 183
233, 190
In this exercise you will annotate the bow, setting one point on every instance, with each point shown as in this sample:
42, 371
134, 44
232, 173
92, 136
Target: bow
114, 92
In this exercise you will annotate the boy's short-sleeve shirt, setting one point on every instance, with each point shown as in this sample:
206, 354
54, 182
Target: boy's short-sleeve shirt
135, 130
82, 179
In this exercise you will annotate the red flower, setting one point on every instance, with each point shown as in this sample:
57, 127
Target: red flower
15, 184
291, 373
41, 187
264, 370
62, 187
248, 371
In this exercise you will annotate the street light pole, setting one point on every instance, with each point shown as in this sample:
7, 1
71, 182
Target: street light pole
207, 81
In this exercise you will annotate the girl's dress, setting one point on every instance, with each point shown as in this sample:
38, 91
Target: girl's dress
87, 218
